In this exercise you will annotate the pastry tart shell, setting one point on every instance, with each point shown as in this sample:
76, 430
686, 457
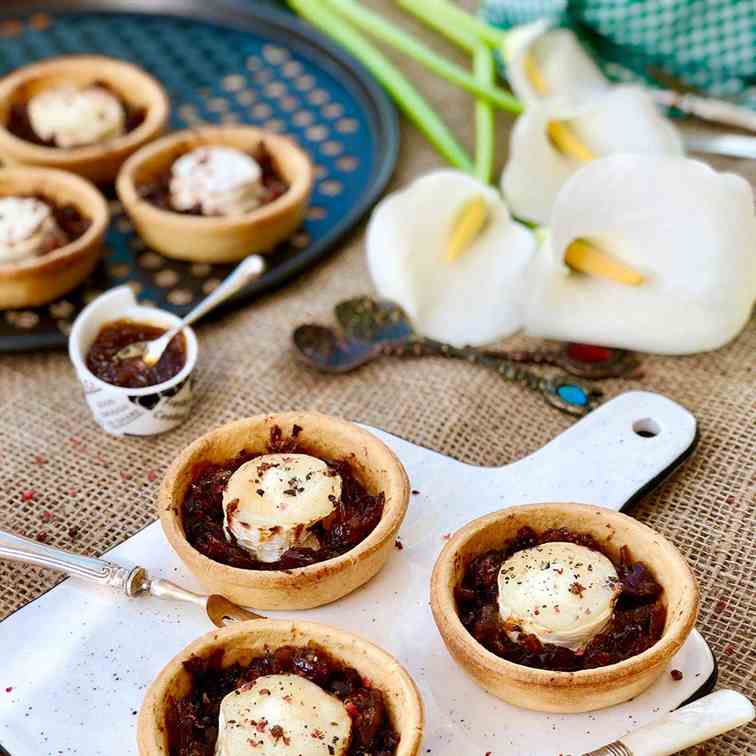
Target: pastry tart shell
244, 641
373, 463
565, 692
39, 280
217, 239
99, 162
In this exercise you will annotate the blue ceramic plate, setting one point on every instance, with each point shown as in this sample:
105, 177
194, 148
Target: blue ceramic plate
237, 61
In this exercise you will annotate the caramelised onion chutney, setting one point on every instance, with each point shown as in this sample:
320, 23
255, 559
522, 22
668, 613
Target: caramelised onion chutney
133, 372
557, 601
290, 701
279, 509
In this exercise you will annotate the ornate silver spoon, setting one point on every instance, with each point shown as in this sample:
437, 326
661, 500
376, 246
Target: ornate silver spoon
133, 581
370, 329
150, 352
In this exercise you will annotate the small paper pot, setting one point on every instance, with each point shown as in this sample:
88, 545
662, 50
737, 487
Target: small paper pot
131, 411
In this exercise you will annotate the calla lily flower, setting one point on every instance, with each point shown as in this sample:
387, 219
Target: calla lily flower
447, 250
667, 250
543, 63
573, 115
555, 138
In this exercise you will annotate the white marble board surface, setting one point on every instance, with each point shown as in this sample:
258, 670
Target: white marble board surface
77, 660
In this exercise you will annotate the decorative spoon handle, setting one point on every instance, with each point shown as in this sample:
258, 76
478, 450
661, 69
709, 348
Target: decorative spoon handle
562, 391
128, 580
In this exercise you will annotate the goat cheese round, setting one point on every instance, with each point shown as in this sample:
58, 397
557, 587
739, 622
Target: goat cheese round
562, 593
72, 117
270, 503
27, 229
217, 180
282, 715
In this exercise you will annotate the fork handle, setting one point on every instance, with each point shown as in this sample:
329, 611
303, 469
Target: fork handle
708, 108
128, 580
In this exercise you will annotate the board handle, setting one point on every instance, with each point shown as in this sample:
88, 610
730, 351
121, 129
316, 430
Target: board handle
611, 457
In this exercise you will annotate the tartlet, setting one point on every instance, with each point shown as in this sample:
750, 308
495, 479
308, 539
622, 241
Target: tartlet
216, 239
373, 463
98, 162
244, 641
38, 280
553, 691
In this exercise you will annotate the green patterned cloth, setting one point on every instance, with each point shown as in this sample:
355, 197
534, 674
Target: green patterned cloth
708, 45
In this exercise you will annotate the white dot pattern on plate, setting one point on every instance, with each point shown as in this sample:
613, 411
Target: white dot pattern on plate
269, 87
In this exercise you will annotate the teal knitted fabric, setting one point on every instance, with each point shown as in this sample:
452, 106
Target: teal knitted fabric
708, 45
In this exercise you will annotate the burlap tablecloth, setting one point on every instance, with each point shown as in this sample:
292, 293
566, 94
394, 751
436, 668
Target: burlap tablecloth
61, 476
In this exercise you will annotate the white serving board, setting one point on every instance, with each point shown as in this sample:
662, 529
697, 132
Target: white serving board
79, 658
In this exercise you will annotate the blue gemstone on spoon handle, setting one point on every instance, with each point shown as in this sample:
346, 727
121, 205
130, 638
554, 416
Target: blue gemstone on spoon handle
573, 395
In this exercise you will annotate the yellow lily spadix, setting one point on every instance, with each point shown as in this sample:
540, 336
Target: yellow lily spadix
690, 230
573, 115
446, 249
586, 258
567, 143
543, 62
467, 226
561, 135
535, 77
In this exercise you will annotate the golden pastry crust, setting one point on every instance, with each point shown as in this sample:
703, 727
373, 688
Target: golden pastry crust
377, 468
34, 282
217, 239
564, 692
101, 162
242, 642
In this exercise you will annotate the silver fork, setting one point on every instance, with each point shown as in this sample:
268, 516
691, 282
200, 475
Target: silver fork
133, 581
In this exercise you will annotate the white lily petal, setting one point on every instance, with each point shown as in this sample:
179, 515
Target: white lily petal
690, 230
475, 299
626, 119
519, 38
565, 67
621, 119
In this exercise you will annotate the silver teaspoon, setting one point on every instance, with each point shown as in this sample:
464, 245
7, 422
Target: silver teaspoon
150, 352
131, 580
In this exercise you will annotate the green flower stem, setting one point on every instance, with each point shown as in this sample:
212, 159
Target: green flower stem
485, 72
453, 21
459, 36
373, 24
404, 94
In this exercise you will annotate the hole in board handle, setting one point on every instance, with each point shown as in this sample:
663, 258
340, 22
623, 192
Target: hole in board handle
646, 428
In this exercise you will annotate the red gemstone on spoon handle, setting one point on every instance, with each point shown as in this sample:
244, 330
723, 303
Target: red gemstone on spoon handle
588, 353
